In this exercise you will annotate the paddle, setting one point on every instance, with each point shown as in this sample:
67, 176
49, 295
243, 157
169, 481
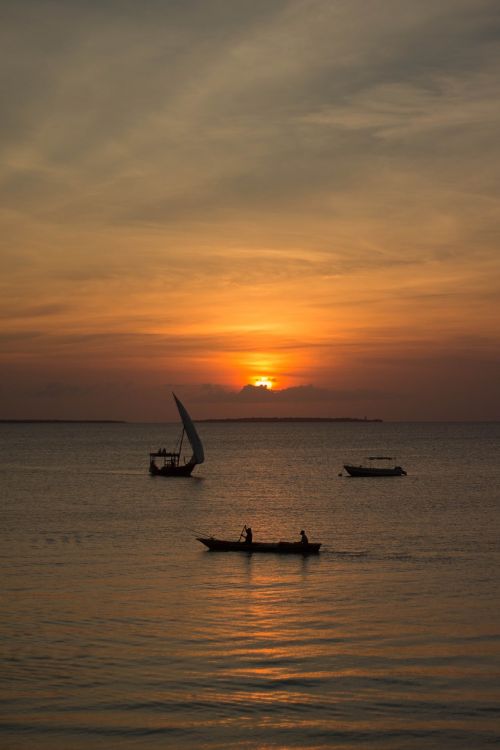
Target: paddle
200, 533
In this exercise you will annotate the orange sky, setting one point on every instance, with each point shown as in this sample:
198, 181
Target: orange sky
200, 195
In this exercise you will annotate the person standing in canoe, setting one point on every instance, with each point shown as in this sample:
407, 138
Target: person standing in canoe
303, 537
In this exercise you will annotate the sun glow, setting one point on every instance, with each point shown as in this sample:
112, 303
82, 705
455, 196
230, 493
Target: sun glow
264, 381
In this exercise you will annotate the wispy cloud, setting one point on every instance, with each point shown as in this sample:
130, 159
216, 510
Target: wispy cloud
405, 111
35, 311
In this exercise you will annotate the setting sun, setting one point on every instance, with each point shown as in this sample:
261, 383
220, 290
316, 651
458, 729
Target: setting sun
264, 381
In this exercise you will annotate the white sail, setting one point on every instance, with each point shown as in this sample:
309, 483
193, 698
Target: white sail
197, 447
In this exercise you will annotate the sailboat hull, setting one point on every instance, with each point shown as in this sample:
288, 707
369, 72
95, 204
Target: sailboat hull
172, 471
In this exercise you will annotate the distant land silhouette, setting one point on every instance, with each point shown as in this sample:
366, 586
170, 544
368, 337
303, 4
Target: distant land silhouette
62, 421
218, 420
291, 419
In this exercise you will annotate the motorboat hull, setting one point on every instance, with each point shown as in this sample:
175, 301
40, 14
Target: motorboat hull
374, 471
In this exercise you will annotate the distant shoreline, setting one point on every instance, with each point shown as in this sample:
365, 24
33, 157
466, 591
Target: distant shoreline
340, 420
62, 421
290, 419
204, 421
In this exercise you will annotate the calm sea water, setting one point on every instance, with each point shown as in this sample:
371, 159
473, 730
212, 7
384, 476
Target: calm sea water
119, 630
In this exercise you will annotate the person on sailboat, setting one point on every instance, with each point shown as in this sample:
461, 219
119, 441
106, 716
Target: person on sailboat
303, 537
248, 535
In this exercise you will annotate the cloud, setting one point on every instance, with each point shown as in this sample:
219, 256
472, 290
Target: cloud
13, 339
408, 110
302, 394
35, 311
187, 183
57, 391
213, 393
186, 112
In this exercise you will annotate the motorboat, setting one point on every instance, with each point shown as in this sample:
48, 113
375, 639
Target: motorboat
374, 469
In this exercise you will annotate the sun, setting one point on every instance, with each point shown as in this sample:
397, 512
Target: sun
264, 382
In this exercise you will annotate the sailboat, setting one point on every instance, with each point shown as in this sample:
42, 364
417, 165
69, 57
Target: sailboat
172, 466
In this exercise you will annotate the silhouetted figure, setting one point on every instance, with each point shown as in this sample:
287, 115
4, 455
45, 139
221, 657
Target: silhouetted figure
303, 537
248, 535
152, 466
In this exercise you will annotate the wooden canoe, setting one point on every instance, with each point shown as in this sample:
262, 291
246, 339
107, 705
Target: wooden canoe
282, 548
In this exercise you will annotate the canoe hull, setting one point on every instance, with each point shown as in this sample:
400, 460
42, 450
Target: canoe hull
281, 548
374, 471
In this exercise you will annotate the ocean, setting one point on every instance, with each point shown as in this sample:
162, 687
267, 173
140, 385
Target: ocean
120, 630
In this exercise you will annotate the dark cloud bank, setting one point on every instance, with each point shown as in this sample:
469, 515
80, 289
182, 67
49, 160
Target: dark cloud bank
214, 393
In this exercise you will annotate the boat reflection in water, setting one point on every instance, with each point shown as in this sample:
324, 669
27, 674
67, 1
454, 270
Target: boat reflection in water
375, 471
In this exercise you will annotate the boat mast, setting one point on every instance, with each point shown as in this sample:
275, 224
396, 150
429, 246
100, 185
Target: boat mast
180, 444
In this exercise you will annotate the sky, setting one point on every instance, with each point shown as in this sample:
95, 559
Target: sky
273, 208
